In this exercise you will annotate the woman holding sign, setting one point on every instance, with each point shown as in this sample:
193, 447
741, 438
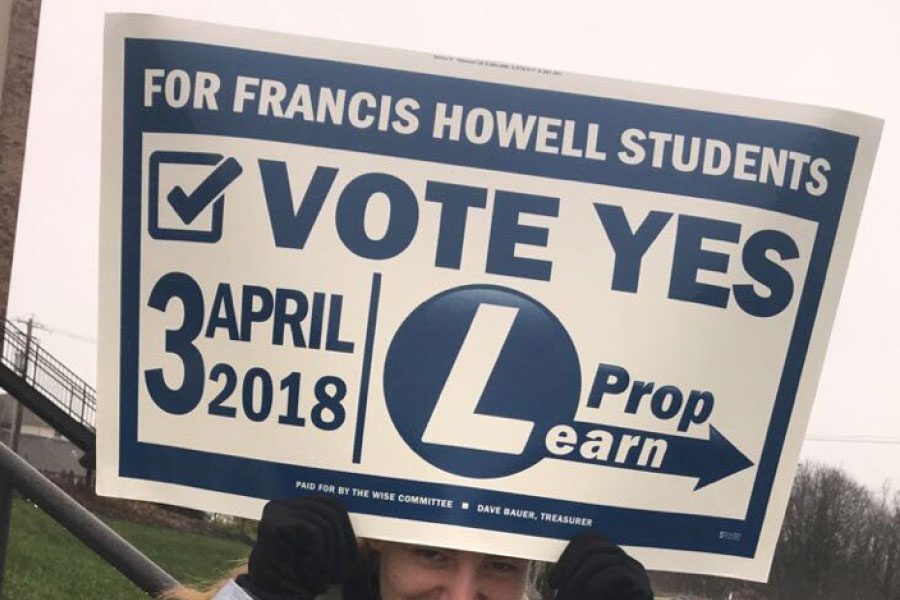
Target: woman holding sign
306, 549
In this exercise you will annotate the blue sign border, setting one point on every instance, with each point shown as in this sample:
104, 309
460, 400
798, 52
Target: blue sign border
261, 479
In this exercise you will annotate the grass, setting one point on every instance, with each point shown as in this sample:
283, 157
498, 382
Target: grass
46, 562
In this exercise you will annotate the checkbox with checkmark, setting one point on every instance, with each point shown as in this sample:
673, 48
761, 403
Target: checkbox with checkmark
187, 194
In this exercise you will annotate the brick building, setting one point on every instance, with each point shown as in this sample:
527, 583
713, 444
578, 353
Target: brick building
18, 38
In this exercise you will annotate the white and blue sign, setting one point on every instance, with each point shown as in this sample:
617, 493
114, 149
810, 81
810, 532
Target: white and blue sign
488, 306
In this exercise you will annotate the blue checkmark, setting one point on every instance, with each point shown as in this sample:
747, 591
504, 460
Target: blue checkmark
206, 198
189, 206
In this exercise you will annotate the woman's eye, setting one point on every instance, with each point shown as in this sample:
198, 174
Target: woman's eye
428, 554
503, 566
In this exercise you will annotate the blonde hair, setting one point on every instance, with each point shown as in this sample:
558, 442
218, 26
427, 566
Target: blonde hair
208, 593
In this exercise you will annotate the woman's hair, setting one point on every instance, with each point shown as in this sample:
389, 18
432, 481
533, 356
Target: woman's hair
536, 585
185, 593
207, 593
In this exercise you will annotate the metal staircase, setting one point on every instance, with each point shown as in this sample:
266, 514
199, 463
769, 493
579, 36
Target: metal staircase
47, 387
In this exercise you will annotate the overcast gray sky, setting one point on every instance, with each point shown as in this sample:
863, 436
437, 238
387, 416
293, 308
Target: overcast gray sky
840, 54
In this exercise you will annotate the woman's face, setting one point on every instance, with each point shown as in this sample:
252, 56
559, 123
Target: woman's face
409, 572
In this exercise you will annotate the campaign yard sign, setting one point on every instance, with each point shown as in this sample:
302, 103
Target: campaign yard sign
488, 306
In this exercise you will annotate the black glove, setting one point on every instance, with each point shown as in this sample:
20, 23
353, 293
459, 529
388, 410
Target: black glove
593, 568
303, 546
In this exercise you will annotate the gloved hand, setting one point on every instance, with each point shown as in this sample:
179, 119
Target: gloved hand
593, 568
303, 546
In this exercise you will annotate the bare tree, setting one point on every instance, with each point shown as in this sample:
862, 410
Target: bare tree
839, 541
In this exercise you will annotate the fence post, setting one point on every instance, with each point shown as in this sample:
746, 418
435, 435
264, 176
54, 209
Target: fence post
33, 363
83, 400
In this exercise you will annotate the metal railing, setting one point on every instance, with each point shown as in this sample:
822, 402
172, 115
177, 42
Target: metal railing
49, 376
92, 532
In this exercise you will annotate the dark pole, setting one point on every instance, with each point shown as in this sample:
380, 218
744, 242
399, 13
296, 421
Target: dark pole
6, 499
16, 431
